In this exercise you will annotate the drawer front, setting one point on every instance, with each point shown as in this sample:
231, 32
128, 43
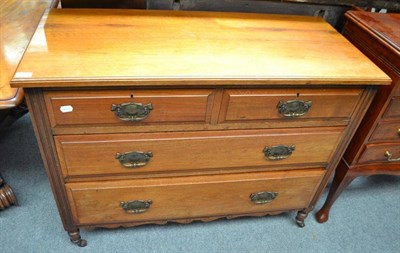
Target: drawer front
97, 154
387, 131
95, 107
287, 104
381, 153
393, 110
191, 197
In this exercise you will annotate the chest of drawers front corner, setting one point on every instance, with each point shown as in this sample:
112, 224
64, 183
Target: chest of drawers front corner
195, 130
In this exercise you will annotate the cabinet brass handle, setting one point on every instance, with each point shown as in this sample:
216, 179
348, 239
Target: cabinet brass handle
294, 108
134, 159
278, 152
398, 132
132, 111
389, 157
136, 206
263, 197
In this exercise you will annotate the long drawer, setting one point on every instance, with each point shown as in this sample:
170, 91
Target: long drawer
191, 197
166, 152
128, 107
287, 104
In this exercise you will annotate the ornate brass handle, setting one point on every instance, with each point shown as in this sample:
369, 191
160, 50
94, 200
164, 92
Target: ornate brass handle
132, 111
134, 159
136, 206
278, 152
294, 108
263, 197
389, 157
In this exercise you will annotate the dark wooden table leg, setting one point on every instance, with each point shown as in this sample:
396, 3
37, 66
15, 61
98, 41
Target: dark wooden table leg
7, 197
341, 180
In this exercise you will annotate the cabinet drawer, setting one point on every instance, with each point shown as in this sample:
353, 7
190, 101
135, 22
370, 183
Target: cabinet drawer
379, 153
191, 197
387, 131
95, 107
96, 154
270, 104
393, 110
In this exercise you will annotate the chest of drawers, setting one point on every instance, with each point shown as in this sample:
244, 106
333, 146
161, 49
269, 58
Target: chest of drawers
155, 116
375, 148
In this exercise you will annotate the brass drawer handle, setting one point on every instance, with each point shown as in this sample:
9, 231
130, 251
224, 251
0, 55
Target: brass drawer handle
398, 132
294, 108
134, 159
389, 157
136, 206
132, 111
263, 197
278, 152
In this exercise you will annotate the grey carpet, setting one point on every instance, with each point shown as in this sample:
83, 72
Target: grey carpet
366, 218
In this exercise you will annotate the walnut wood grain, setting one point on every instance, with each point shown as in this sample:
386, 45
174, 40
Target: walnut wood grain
94, 107
93, 155
41, 126
203, 51
386, 131
217, 52
174, 198
393, 110
261, 104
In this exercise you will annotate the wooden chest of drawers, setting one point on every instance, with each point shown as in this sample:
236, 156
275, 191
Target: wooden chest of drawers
154, 116
375, 148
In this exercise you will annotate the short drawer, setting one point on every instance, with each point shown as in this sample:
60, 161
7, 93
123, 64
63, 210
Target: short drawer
191, 197
387, 131
134, 107
212, 150
381, 153
393, 110
287, 104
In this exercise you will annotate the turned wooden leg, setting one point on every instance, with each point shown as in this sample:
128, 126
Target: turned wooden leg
341, 180
7, 197
75, 237
301, 216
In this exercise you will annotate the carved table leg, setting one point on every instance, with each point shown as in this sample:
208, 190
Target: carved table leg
341, 180
301, 216
7, 197
75, 237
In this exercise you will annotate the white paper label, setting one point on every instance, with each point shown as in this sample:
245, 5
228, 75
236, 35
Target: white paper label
23, 74
66, 108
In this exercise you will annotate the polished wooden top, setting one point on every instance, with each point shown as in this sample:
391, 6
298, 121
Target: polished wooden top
78, 47
18, 21
384, 25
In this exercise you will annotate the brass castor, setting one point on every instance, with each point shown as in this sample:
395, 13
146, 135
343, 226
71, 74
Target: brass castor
75, 238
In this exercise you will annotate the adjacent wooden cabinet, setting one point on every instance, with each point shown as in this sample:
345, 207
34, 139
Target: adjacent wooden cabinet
157, 116
375, 148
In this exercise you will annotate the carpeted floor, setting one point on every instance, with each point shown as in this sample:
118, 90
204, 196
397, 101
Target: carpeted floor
366, 218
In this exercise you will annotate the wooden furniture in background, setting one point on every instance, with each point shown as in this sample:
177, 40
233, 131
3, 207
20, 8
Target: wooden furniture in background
145, 120
375, 148
7, 197
18, 21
